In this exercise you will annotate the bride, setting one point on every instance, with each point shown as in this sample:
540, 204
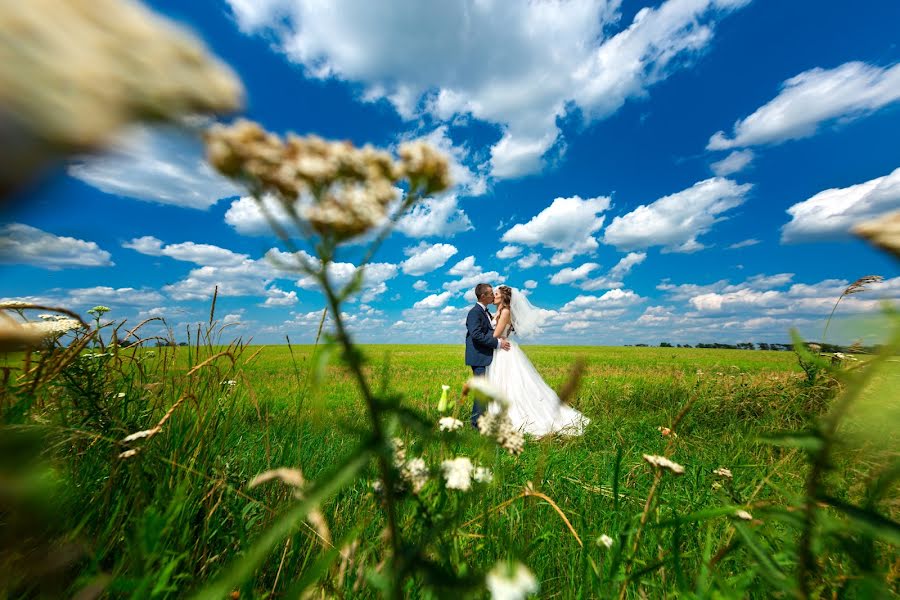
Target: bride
533, 405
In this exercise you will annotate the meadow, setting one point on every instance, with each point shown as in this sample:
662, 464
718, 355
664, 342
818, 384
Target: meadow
179, 514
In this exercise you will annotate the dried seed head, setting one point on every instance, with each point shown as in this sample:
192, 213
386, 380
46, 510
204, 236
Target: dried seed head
883, 232
860, 284
661, 462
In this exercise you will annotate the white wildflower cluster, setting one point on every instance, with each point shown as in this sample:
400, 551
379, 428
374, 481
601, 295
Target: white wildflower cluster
511, 581
95, 355
723, 472
666, 432
415, 473
54, 328
352, 187
499, 427
229, 383
661, 462
605, 541
74, 73
743, 515
495, 424
449, 424
459, 473
483, 475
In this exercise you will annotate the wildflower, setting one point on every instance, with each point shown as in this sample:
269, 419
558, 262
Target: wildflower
662, 462
723, 472
53, 329
50, 317
605, 540
399, 452
449, 424
716, 485
511, 581
499, 427
883, 232
483, 475
425, 167
99, 310
743, 515
128, 453
378, 487
442, 404
666, 432
120, 395
141, 434
74, 73
415, 472
458, 473
229, 382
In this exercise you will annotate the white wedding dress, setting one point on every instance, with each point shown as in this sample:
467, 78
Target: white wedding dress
533, 405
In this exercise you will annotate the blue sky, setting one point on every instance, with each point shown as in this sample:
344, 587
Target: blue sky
680, 171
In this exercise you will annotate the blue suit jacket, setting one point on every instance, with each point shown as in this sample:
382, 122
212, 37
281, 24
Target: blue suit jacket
480, 340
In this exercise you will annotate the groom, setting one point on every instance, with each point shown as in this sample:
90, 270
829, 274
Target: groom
480, 340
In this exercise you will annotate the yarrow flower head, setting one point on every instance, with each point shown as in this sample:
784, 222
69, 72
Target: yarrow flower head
743, 515
351, 187
458, 473
666, 432
661, 462
483, 475
605, 541
449, 424
511, 581
99, 310
415, 472
723, 472
499, 427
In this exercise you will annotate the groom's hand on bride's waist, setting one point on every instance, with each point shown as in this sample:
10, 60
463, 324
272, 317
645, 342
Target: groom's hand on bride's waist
504, 343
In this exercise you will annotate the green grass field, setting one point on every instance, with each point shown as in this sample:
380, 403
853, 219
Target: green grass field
179, 514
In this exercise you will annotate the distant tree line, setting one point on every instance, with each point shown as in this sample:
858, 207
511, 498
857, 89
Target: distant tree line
817, 347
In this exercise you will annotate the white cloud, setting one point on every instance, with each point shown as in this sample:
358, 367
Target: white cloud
276, 297
509, 252
531, 284
566, 225
421, 285
813, 98
248, 278
426, 257
529, 260
743, 244
434, 300
614, 278
23, 244
374, 278
569, 275
158, 164
112, 297
201, 254
675, 221
612, 298
519, 66
733, 163
831, 213
435, 217
464, 267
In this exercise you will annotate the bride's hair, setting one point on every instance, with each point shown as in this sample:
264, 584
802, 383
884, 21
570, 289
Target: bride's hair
506, 296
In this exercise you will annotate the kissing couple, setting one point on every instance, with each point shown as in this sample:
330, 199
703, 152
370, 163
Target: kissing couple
534, 407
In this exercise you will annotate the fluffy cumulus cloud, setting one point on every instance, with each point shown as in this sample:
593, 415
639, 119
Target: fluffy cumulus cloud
276, 297
735, 162
614, 278
569, 275
530, 284
831, 213
435, 217
201, 254
374, 280
567, 225
434, 300
509, 252
163, 164
23, 244
519, 66
112, 297
421, 285
426, 257
676, 221
813, 98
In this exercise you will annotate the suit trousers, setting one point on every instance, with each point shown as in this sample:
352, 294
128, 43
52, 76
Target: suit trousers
477, 407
